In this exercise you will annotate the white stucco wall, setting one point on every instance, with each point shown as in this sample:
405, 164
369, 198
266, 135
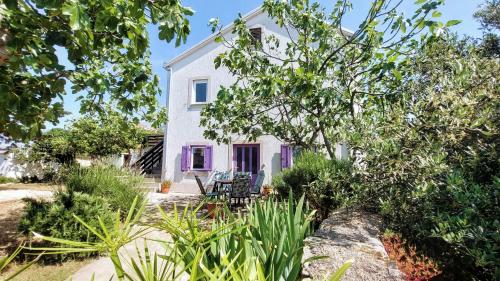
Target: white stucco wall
9, 167
183, 125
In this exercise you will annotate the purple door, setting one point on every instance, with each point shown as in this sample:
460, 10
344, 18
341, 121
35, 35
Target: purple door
246, 158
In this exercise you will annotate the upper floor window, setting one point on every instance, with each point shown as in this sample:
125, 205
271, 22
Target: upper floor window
200, 91
256, 34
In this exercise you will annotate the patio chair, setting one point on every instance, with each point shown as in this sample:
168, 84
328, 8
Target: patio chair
202, 188
219, 176
241, 187
255, 191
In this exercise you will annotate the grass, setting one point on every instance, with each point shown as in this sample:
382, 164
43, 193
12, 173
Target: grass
36, 272
4, 179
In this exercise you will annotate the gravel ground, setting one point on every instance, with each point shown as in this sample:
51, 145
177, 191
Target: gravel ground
350, 235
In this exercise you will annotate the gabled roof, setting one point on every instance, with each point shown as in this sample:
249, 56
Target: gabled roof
211, 38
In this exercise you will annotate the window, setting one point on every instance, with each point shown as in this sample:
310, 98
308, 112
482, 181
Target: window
256, 35
196, 158
200, 91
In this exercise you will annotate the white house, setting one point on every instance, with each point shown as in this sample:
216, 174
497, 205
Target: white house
193, 82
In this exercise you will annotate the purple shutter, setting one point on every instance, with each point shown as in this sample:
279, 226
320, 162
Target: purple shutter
289, 156
285, 163
185, 158
207, 165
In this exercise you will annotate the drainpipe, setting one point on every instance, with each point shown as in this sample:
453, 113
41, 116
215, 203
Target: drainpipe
165, 136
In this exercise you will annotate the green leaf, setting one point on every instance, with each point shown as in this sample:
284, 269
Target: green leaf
436, 14
397, 74
337, 276
452, 23
78, 19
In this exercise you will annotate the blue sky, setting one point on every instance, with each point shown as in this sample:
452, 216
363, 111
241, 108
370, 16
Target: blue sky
227, 11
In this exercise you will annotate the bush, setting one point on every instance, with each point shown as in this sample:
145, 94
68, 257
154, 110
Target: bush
326, 183
271, 236
468, 221
55, 218
118, 186
4, 179
433, 160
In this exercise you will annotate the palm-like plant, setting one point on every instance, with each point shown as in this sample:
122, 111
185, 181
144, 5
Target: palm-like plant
266, 244
110, 240
6, 260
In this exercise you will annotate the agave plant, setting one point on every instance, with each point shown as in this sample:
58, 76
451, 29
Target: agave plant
265, 244
109, 240
6, 260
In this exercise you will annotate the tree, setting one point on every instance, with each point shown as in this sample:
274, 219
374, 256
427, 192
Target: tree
55, 146
93, 135
99, 136
489, 17
432, 162
302, 90
106, 43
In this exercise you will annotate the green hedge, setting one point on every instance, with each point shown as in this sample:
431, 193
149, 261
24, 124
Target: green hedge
55, 218
326, 183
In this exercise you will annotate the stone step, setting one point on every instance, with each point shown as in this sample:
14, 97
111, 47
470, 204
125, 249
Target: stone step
150, 187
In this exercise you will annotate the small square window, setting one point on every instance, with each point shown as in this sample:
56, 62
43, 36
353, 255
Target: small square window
200, 91
256, 35
198, 157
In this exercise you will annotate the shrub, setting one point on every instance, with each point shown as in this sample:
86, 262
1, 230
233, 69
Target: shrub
432, 161
326, 183
4, 179
118, 186
55, 218
271, 236
415, 266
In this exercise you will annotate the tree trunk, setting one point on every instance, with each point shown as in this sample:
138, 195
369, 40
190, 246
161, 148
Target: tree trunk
327, 143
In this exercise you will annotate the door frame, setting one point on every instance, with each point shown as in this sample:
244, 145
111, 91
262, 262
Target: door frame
234, 156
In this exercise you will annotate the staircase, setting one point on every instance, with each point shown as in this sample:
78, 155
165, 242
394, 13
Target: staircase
151, 183
150, 161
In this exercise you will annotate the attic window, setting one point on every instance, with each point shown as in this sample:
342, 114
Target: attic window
256, 34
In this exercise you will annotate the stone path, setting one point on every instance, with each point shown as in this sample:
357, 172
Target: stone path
13, 194
350, 235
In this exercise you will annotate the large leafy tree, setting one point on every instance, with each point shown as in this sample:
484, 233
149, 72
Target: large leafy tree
488, 16
92, 135
301, 91
106, 44
99, 136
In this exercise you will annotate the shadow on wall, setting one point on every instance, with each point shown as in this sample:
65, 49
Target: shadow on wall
275, 164
177, 176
